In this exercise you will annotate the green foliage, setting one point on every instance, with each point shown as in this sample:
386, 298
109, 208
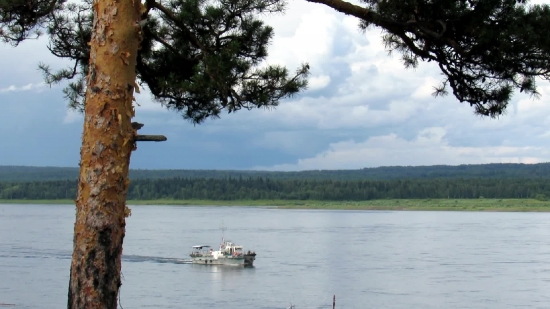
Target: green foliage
21, 19
64, 189
293, 189
484, 49
493, 171
201, 57
197, 57
384, 204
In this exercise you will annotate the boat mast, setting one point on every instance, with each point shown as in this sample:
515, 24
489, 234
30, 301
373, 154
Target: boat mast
222, 227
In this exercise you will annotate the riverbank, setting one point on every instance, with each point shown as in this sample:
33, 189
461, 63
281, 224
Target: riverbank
389, 204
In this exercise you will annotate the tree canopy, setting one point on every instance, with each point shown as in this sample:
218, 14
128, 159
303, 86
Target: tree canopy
256, 188
485, 49
197, 57
23, 19
470, 171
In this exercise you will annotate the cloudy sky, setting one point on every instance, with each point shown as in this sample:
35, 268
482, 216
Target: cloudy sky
362, 109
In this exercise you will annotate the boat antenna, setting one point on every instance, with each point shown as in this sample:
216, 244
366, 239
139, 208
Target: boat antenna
222, 227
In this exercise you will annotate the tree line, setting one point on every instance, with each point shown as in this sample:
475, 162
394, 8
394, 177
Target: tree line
241, 188
493, 170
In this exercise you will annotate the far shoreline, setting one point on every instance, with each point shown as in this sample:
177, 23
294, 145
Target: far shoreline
485, 205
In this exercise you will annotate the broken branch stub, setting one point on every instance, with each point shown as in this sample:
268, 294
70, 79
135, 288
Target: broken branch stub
146, 138
150, 138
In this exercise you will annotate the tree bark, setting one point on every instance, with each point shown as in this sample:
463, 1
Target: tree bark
107, 142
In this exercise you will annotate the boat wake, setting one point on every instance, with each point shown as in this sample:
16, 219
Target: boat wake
29, 253
153, 259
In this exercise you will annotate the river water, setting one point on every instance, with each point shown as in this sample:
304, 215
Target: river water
368, 259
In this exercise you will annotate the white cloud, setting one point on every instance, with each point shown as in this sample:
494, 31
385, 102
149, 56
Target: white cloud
144, 102
426, 89
27, 87
318, 82
311, 41
72, 116
430, 147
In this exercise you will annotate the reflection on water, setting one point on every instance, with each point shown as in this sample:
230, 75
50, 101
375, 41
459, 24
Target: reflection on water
222, 272
222, 269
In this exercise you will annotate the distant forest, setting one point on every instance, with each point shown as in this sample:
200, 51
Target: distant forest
455, 182
496, 170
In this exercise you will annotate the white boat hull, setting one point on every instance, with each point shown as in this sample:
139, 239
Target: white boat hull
219, 261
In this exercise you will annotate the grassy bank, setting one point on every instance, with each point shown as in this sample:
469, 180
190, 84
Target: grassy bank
417, 204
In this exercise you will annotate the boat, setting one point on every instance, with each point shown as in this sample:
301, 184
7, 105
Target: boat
227, 254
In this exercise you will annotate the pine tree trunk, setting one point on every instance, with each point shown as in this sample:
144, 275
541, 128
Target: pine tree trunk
107, 142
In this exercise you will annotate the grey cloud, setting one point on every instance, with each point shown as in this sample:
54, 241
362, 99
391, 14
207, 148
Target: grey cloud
33, 130
338, 71
373, 112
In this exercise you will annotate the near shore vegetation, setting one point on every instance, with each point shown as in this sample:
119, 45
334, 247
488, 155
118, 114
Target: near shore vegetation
487, 187
483, 204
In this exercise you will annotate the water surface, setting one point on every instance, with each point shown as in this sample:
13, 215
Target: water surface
368, 259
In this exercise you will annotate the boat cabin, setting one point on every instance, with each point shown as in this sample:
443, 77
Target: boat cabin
200, 250
229, 248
